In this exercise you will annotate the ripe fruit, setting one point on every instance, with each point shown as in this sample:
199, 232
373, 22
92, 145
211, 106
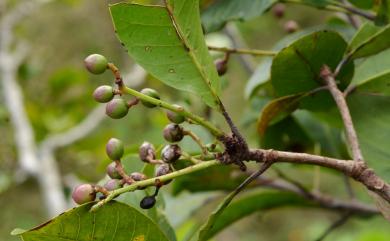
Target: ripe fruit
291, 26
221, 65
152, 93
175, 117
147, 152
170, 153
112, 184
114, 149
112, 171
103, 94
278, 10
137, 176
161, 170
96, 63
173, 133
117, 108
147, 202
84, 193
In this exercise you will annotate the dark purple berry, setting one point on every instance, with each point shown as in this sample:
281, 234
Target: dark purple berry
113, 184
114, 149
137, 176
103, 94
162, 170
175, 117
147, 202
84, 193
170, 153
112, 171
147, 152
152, 93
221, 65
173, 133
96, 63
278, 10
117, 108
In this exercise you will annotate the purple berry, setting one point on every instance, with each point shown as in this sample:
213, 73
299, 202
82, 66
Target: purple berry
173, 133
146, 152
278, 10
84, 193
112, 171
137, 176
117, 108
148, 202
103, 94
113, 184
221, 66
114, 149
170, 153
96, 63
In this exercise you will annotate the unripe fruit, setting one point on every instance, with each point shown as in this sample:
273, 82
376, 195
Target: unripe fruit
278, 10
221, 65
112, 171
96, 63
148, 202
146, 152
103, 94
152, 93
137, 176
175, 117
117, 108
173, 133
170, 153
113, 184
84, 193
291, 26
114, 149
161, 170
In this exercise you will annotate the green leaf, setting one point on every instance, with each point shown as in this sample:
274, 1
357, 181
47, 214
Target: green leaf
296, 68
277, 110
369, 40
383, 13
224, 216
113, 221
169, 47
222, 11
371, 117
366, 4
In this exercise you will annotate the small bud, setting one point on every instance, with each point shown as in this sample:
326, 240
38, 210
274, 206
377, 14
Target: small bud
170, 153
114, 149
175, 117
96, 63
103, 94
221, 65
162, 170
117, 108
146, 152
137, 176
291, 26
278, 10
112, 171
152, 93
173, 133
84, 193
147, 202
113, 184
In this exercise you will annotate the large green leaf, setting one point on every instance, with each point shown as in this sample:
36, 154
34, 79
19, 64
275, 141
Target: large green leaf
114, 221
296, 68
383, 12
224, 216
371, 117
222, 11
369, 40
366, 4
169, 44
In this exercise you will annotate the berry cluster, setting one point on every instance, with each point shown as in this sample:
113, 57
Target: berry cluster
117, 108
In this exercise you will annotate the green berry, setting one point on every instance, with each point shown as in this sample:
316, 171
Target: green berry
113, 184
103, 94
96, 63
173, 133
84, 193
117, 108
148, 202
112, 171
175, 117
146, 152
170, 153
114, 149
152, 93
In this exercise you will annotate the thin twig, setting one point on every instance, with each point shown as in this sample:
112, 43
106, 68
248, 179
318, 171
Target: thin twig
255, 52
339, 222
197, 140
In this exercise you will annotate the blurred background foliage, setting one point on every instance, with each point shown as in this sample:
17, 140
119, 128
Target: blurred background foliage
57, 92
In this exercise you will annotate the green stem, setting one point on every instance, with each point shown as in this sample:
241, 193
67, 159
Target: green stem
195, 118
243, 51
152, 181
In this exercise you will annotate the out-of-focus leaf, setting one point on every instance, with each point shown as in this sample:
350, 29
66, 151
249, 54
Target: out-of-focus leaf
369, 40
123, 221
225, 215
366, 4
383, 12
277, 110
222, 11
316, 3
296, 68
171, 48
